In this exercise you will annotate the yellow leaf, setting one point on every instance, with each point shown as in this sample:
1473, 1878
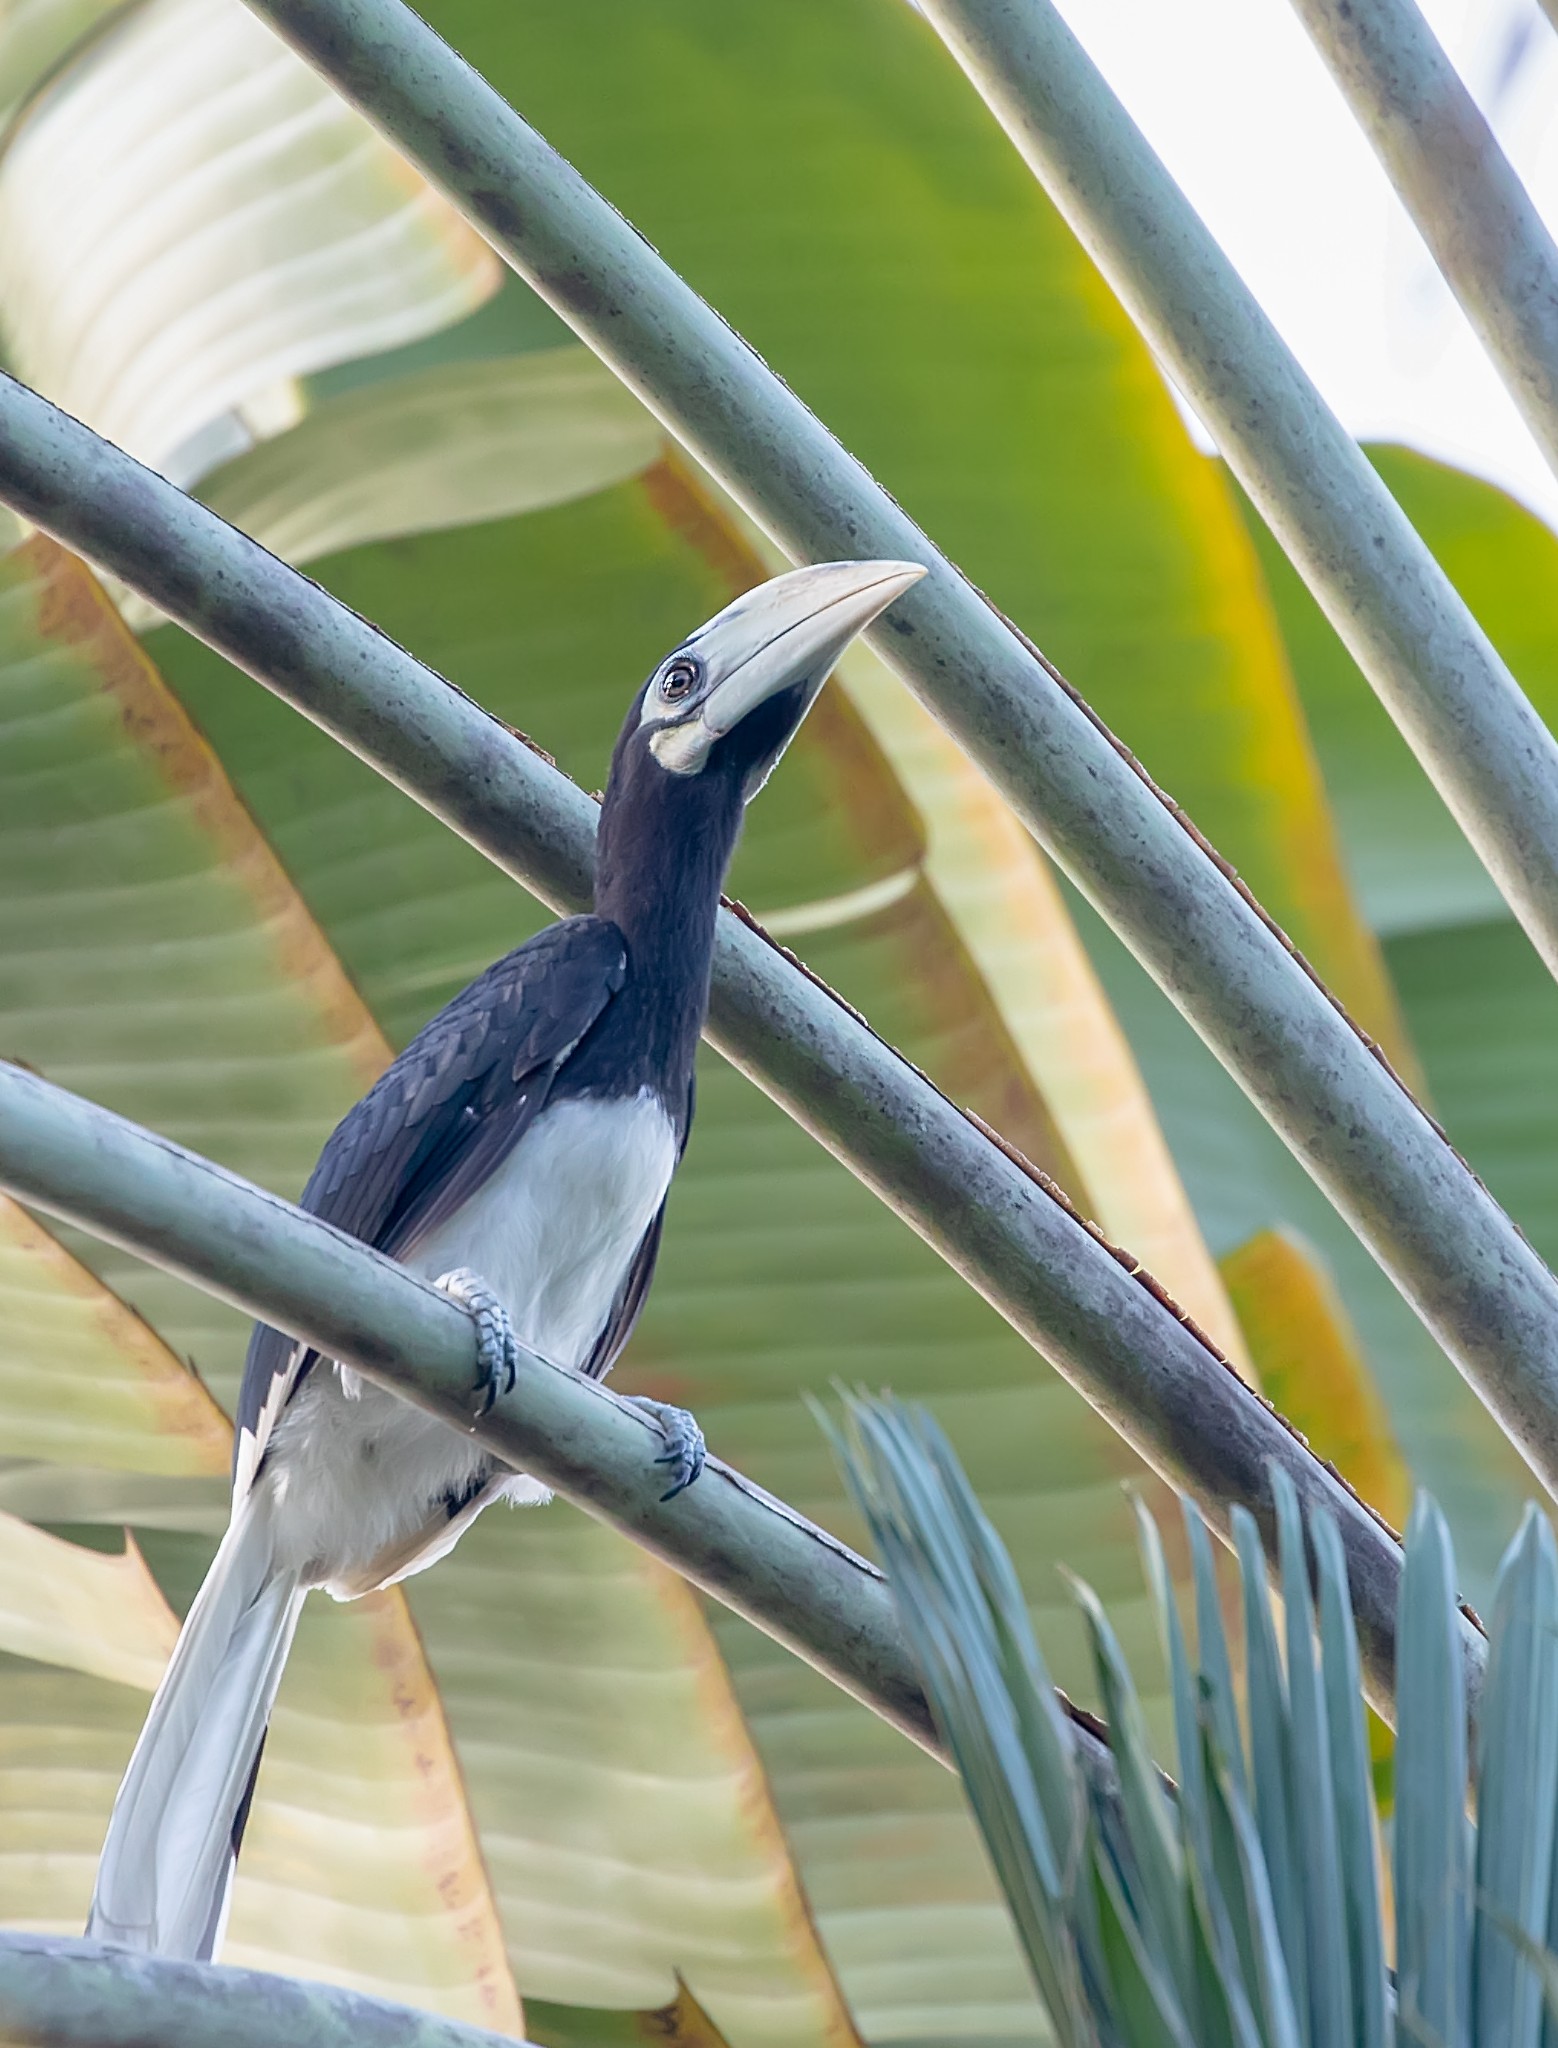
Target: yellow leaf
1313, 1367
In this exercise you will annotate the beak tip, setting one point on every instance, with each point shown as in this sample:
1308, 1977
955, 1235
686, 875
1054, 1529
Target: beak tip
890, 582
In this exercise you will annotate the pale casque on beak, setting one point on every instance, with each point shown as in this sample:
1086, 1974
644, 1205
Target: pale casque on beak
784, 636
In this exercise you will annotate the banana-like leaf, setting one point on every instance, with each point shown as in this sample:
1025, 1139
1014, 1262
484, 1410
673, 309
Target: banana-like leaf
453, 445
780, 1270
83, 1379
82, 1608
36, 34
463, 441
1004, 900
130, 866
360, 1868
65, 1737
1486, 1015
836, 888
1481, 1011
363, 1865
190, 220
1006, 903
82, 1495
153, 953
1242, 1179
623, 1812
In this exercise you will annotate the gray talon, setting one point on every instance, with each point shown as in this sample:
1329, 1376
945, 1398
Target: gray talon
497, 1349
684, 1447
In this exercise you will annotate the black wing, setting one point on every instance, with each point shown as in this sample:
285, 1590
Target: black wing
437, 1122
628, 1306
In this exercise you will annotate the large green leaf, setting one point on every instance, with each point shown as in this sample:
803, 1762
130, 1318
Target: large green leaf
453, 445
1002, 897
605, 1758
601, 588
189, 220
36, 34
1485, 1012
682, 2024
845, 200
1312, 1366
153, 953
156, 954
112, 1394
80, 1608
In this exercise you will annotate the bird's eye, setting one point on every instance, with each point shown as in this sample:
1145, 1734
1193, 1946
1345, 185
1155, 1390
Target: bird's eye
680, 677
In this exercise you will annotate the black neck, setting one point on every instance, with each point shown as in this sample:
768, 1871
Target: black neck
665, 842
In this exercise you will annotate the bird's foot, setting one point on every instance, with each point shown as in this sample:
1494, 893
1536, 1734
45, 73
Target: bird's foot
684, 1447
497, 1348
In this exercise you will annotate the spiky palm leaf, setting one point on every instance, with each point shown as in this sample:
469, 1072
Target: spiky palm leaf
1241, 1905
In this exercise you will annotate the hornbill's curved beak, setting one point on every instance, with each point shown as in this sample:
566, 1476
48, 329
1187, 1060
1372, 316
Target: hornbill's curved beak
779, 640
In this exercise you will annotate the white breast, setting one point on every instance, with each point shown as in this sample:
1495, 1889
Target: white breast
554, 1230
362, 1478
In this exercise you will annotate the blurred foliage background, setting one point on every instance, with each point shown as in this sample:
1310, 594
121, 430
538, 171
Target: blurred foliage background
550, 1775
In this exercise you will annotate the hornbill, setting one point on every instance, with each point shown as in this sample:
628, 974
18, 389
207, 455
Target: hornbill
518, 1154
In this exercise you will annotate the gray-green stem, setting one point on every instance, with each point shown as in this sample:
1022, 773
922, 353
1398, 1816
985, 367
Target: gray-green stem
60, 1993
1459, 187
1433, 668
78, 1161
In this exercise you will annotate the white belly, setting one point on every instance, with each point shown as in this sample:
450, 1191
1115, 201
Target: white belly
362, 1475
554, 1230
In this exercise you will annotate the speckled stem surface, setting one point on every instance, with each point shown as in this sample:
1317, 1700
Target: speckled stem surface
59, 1993
1459, 187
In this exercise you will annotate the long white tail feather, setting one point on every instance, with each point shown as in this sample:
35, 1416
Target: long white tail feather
167, 1865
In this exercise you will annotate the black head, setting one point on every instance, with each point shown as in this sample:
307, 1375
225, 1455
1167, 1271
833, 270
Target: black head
708, 728
702, 737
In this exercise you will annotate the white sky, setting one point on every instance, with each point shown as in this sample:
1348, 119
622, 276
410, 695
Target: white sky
1237, 102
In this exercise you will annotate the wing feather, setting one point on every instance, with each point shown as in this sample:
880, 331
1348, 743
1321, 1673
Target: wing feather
438, 1121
